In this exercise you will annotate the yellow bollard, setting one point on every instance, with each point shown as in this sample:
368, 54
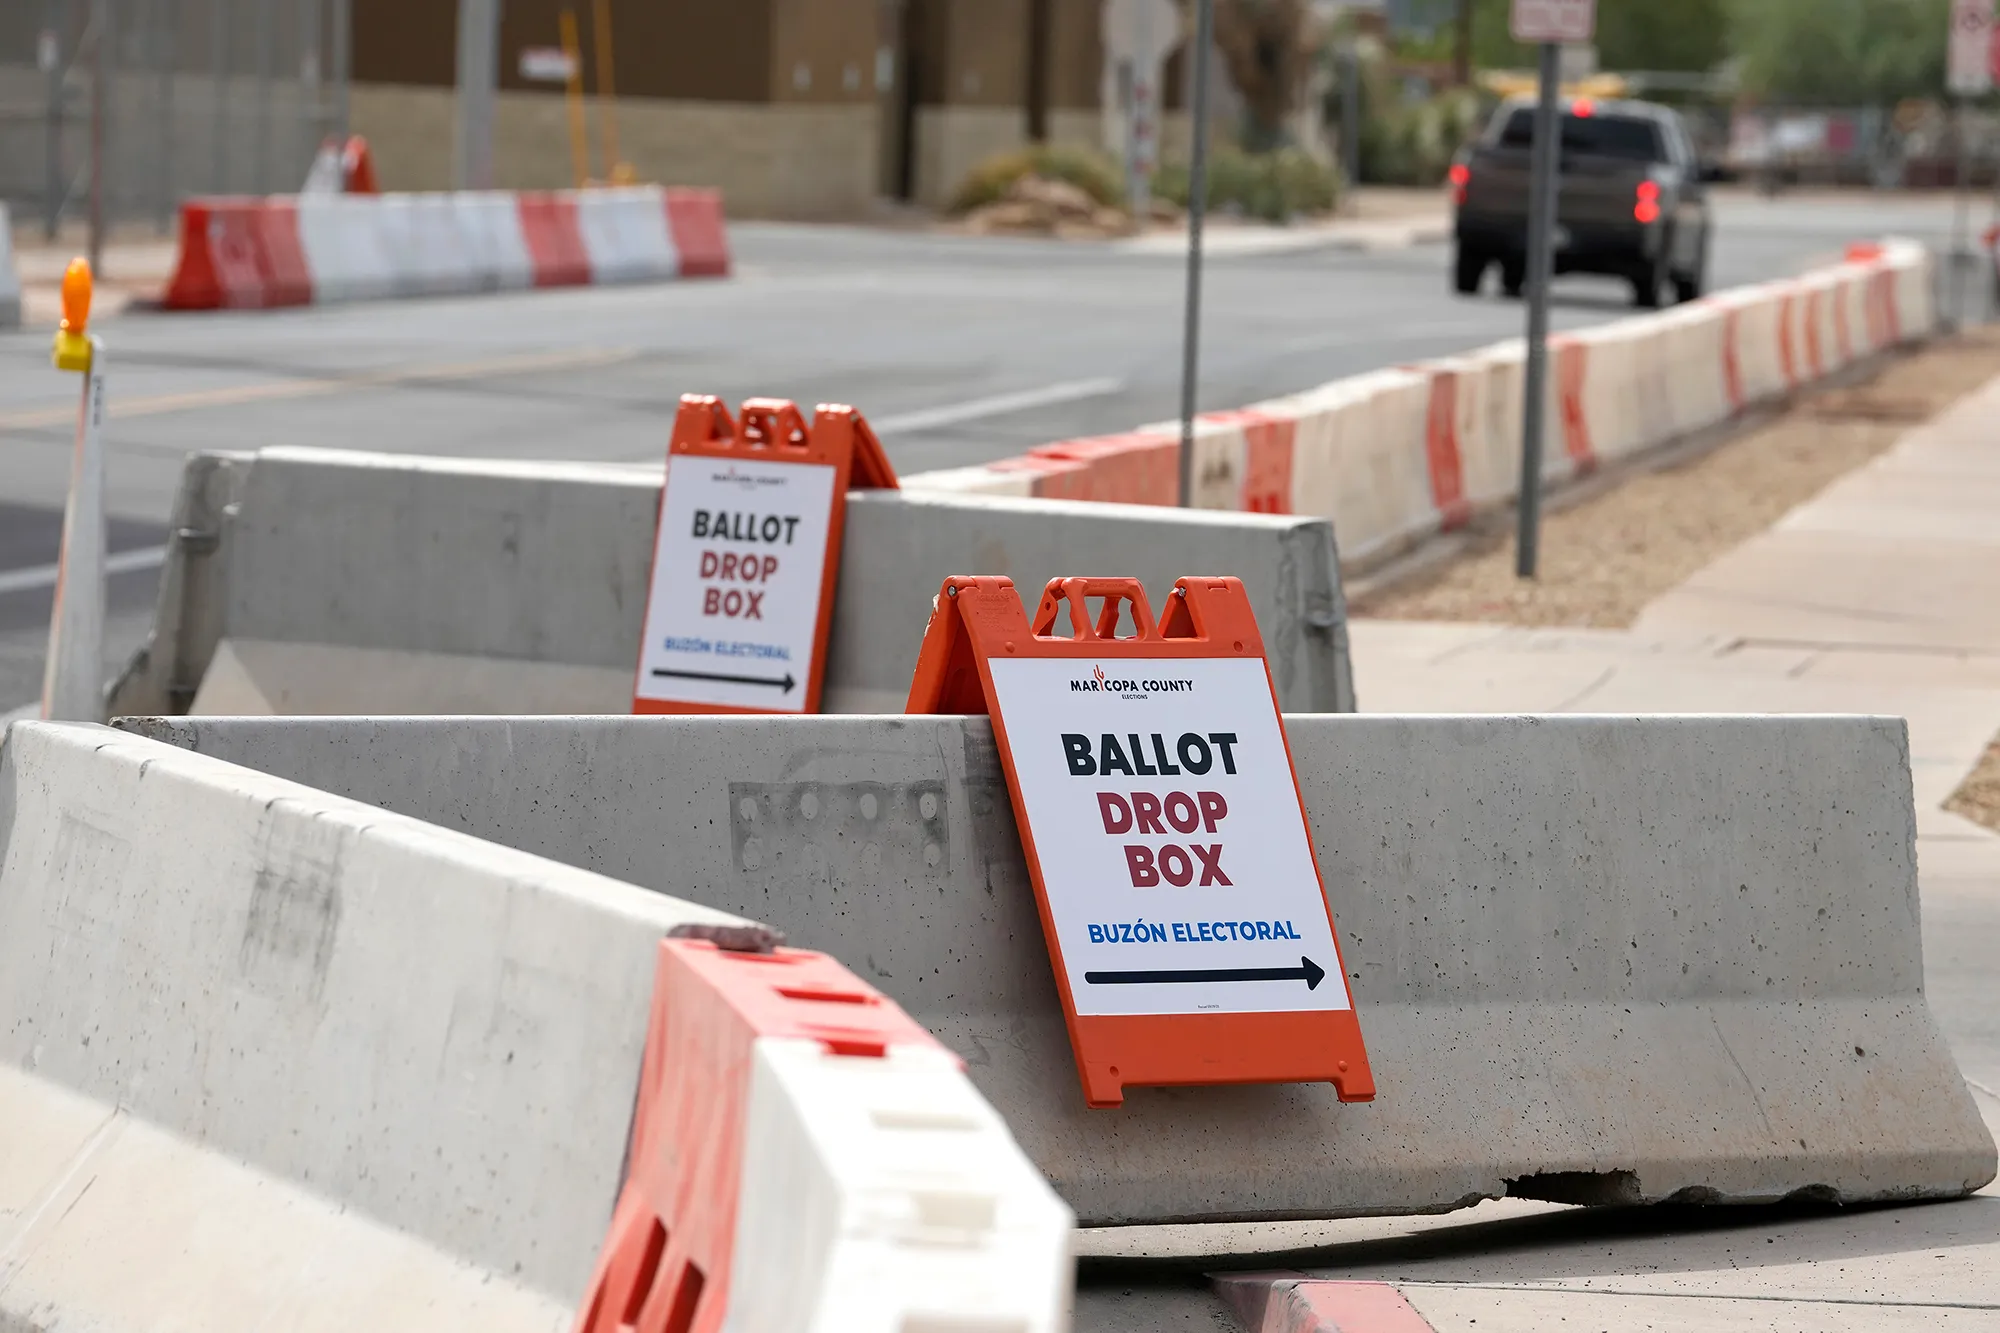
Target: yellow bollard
73, 679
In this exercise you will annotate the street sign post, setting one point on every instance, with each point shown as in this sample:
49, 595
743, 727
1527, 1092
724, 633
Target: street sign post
1161, 822
746, 555
1551, 23
1969, 61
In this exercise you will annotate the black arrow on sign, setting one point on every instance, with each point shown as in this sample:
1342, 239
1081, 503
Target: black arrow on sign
1307, 971
785, 684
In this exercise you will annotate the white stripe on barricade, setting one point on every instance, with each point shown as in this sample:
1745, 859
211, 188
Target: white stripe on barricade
881, 1195
625, 235
489, 227
1361, 461
341, 238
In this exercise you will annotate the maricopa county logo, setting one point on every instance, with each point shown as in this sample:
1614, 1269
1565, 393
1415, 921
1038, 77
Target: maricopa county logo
1099, 683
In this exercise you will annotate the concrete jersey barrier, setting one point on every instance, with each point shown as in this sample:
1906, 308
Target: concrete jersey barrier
1596, 959
279, 1059
310, 581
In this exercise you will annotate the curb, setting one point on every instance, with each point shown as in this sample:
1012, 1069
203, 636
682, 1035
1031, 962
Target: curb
1291, 1302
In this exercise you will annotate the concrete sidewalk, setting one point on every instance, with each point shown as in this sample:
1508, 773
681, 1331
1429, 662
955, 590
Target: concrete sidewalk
1880, 595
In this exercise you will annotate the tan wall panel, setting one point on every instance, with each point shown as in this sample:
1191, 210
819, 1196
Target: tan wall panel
799, 161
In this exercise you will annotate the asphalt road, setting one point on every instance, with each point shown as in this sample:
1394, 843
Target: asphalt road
959, 349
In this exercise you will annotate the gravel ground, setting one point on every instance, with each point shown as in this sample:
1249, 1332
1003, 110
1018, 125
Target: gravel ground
1978, 797
1606, 556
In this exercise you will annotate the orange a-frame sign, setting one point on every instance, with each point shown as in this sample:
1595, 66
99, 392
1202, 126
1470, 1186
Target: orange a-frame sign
747, 555
1163, 829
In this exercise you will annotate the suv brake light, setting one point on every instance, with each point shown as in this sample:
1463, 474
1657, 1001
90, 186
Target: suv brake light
1460, 176
1647, 206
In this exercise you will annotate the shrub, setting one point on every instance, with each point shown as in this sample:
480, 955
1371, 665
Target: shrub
1088, 170
1276, 186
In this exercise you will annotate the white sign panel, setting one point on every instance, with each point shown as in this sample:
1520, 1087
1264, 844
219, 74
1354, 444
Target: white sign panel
1969, 69
737, 572
1173, 849
546, 64
1553, 20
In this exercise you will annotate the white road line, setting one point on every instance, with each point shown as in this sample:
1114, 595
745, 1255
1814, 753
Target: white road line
120, 562
999, 405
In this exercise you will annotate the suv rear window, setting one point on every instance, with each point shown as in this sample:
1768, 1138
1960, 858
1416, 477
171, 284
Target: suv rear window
1633, 138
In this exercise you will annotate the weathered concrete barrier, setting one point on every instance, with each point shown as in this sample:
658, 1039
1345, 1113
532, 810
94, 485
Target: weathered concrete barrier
1595, 959
312, 581
272, 1058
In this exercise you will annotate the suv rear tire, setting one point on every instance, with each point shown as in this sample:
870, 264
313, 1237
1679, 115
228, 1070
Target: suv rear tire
1468, 270
1513, 277
1650, 279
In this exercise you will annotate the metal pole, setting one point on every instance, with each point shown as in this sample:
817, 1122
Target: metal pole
260, 178
1204, 37
100, 76
169, 55
1350, 113
49, 53
1961, 219
1542, 202
478, 71
218, 63
343, 32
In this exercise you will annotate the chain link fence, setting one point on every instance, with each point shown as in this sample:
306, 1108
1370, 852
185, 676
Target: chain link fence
118, 109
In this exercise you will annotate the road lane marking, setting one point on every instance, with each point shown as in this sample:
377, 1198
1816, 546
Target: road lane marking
117, 410
119, 562
999, 405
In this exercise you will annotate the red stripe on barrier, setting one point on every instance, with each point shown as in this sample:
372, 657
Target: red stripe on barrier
1813, 367
238, 254
1267, 459
554, 240
1842, 340
1135, 468
1572, 374
694, 220
666, 1261
1787, 358
1447, 466
1732, 357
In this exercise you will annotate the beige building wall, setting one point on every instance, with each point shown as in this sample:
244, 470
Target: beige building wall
787, 159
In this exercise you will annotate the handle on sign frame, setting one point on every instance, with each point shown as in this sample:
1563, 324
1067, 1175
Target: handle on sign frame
1074, 592
774, 423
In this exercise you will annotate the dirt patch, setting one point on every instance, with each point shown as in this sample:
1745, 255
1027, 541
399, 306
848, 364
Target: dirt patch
1978, 797
1605, 557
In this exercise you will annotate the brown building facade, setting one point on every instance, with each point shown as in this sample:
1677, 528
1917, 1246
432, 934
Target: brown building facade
795, 108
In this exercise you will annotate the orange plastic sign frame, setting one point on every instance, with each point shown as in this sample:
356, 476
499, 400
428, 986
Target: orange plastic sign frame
1154, 990
746, 556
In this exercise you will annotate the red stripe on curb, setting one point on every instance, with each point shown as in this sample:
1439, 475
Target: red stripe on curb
1292, 1303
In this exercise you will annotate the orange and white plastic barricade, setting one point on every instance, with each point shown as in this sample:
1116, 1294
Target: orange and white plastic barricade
1163, 830
807, 1159
747, 554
